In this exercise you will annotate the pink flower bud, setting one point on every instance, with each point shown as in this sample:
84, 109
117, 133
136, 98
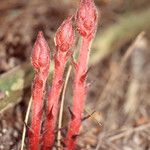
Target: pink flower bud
64, 37
86, 18
41, 61
41, 53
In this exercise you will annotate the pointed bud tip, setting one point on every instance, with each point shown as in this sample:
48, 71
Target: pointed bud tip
40, 54
64, 37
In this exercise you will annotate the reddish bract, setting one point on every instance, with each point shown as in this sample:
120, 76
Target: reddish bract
40, 57
86, 18
65, 36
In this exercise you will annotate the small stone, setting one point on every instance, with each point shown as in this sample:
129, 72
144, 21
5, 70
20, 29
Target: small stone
4, 130
127, 148
1, 147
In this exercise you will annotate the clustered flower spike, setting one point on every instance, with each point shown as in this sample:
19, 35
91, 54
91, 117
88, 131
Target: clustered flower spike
65, 35
40, 59
86, 22
64, 39
86, 18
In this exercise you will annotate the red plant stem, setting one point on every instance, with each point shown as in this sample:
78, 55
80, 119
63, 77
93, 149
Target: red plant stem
37, 96
40, 61
79, 95
86, 20
54, 94
64, 40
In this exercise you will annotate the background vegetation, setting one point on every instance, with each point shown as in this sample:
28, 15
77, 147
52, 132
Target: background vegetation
119, 75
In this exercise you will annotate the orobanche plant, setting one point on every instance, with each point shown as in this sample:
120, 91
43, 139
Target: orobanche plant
44, 137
